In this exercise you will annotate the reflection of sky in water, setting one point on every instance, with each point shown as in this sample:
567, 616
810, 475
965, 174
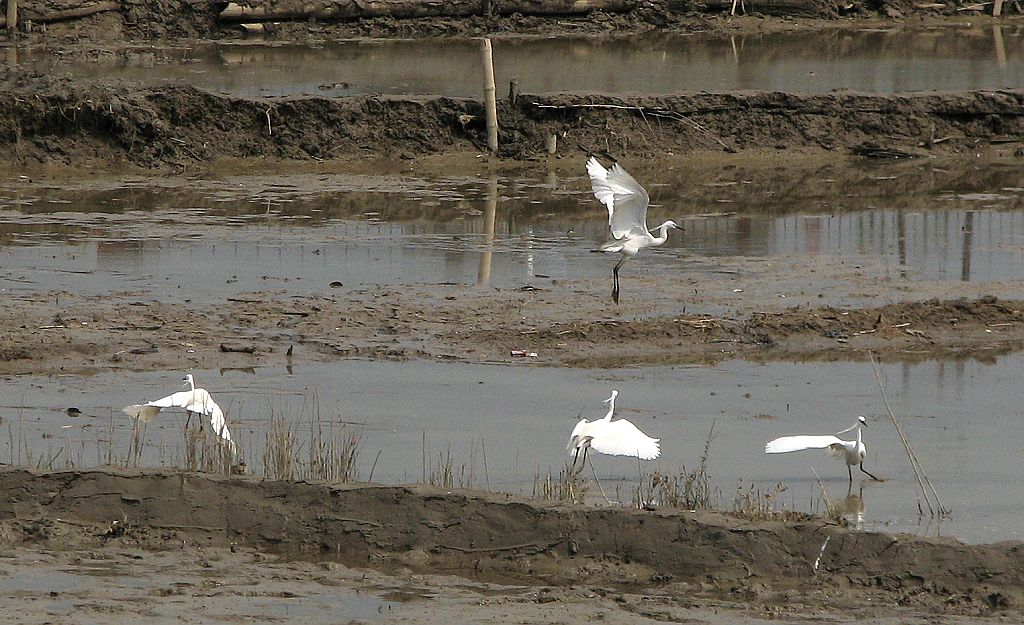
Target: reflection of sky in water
206, 241
963, 418
957, 57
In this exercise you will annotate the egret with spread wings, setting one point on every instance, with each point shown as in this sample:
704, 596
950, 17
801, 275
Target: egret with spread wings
193, 401
627, 214
615, 438
853, 452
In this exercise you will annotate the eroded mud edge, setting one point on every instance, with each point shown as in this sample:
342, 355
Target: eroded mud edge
495, 537
78, 122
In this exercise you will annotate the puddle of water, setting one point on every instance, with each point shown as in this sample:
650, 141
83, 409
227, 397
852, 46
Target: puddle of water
196, 241
960, 417
64, 590
956, 57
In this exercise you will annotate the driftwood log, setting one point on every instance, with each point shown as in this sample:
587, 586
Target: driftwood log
283, 10
66, 14
807, 8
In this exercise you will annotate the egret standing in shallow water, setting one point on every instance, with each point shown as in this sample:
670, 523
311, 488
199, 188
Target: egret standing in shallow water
615, 438
627, 214
194, 400
851, 451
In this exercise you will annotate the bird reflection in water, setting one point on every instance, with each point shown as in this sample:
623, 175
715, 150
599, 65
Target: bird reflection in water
853, 506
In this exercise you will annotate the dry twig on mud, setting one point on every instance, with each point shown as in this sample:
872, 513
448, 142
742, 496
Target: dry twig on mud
644, 111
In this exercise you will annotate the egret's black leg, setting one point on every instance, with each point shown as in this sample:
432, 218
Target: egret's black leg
575, 459
615, 280
850, 471
188, 419
582, 466
868, 474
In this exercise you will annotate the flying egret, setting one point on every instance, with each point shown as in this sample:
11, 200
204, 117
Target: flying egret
615, 438
851, 451
194, 400
627, 214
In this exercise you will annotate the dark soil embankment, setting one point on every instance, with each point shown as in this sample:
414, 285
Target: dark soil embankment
501, 538
74, 122
143, 21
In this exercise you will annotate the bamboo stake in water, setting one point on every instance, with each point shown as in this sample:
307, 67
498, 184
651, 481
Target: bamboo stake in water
490, 100
12, 15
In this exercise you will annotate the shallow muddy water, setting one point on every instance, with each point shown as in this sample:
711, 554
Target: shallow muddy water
892, 60
504, 425
194, 239
212, 590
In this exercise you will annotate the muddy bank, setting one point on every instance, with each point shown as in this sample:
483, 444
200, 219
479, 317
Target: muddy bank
498, 538
131, 20
50, 333
75, 122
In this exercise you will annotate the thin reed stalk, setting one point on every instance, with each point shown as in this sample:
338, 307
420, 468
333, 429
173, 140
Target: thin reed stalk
922, 477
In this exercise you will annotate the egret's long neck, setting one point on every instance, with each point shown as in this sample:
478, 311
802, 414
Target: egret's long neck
611, 409
858, 434
191, 383
658, 240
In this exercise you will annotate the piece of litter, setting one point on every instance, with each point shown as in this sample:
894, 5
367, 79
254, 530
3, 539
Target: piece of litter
737, 290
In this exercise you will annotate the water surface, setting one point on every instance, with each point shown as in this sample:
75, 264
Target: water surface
955, 222
505, 425
889, 60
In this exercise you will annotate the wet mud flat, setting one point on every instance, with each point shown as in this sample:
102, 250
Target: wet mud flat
683, 560
562, 325
66, 121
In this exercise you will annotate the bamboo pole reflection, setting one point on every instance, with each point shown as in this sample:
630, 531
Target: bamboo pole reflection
997, 36
483, 274
965, 260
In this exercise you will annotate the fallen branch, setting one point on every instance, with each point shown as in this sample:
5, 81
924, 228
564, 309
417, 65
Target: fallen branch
644, 111
285, 10
67, 14
537, 546
240, 349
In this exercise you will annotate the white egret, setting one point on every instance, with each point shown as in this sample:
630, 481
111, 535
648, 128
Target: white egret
853, 452
627, 214
615, 438
194, 400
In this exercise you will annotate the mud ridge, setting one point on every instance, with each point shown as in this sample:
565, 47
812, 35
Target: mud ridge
66, 121
505, 538
63, 333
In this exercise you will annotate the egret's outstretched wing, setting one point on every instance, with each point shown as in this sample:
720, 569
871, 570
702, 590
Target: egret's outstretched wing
148, 411
626, 200
218, 422
622, 438
799, 443
140, 412
181, 399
